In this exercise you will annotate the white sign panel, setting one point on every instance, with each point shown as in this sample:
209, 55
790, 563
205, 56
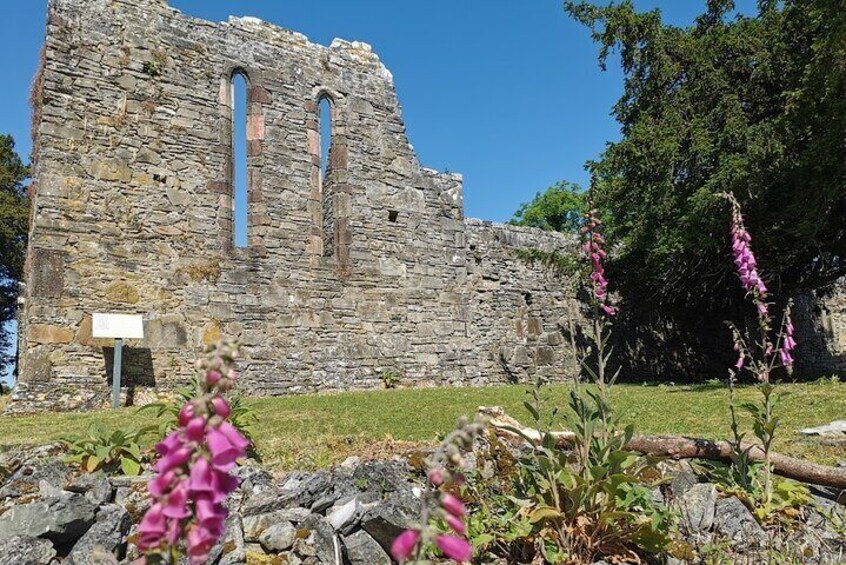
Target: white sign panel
126, 326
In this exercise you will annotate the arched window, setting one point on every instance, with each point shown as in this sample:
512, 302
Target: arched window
325, 111
240, 198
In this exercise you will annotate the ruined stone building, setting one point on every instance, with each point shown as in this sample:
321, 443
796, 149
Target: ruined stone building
368, 271
359, 263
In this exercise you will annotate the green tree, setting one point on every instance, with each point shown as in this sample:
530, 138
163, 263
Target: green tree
559, 208
750, 105
14, 219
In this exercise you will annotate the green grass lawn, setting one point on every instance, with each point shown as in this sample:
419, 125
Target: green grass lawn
317, 430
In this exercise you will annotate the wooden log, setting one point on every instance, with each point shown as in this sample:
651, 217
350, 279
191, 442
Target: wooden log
678, 447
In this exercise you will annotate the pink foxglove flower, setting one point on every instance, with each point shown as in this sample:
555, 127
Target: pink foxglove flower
443, 465
404, 545
593, 247
750, 278
193, 478
788, 343
457, 525
455, 548
452, 505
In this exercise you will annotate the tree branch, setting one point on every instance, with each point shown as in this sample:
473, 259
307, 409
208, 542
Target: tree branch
678, 447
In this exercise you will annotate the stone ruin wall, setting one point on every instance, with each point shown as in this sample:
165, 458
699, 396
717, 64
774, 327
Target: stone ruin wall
821, 329
374, 269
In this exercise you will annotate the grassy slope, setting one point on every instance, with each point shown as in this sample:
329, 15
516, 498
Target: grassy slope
317, 430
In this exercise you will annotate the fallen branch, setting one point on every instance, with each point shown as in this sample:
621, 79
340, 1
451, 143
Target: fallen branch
677, 447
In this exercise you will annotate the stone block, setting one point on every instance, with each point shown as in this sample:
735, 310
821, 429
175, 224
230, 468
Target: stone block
545, 355
211, 333
39, 368
48, 270
49, 334
255, 127
122, 292
110, 171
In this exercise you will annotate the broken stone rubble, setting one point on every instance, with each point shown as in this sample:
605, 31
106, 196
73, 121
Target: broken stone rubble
348, 515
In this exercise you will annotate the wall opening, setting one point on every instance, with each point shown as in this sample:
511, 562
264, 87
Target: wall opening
240, 198
325, 110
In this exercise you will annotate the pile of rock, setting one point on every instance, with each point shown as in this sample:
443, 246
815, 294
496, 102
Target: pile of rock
347, 515
50, 512
711, 522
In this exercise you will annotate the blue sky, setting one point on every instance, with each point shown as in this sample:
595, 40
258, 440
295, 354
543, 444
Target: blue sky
506, 92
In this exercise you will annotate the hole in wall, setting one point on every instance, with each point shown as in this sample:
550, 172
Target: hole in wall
527, 297
392, 216
239, 159
325, 135
326, 188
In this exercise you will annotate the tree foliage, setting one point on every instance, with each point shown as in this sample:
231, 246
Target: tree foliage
754, 105
14, 218
559, 208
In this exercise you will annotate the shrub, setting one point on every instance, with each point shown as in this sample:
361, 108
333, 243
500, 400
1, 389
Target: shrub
113, 452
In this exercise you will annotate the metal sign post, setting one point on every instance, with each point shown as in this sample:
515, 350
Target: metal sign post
119, 327
116, 373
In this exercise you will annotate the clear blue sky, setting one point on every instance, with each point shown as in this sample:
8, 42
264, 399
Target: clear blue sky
506, 92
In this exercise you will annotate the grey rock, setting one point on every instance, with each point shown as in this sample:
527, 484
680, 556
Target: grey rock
107, 537
299, 490
361, 549
278, 537
291, 558
254, 548
231, 549
254, 526
326, 545
390, 517
697, 506
61, 519
682, 482
27, 480
834, 429
351, 462
344, 517
733, 520
253, 479
21, 550
95, 486
132, 551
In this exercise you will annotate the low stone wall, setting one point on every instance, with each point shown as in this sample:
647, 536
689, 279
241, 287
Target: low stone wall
821, 329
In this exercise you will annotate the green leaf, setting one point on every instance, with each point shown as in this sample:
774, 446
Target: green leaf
130, 467
543, 513
135, 450
531, 409
92, 463
482, 540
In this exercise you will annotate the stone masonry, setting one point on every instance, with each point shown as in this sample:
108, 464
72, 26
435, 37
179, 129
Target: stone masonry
357, 268
370, 270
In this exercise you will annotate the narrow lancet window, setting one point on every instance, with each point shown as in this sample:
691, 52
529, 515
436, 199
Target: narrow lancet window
239, 159
326, 180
